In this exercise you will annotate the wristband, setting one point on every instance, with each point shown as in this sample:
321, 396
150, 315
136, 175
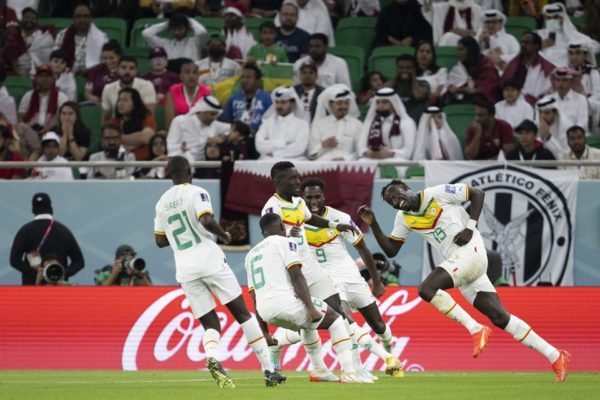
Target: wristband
332, 225
472, 224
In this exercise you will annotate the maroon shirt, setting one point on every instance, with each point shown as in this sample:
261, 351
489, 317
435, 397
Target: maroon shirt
9, 173
491, 144
162, 82
99, 76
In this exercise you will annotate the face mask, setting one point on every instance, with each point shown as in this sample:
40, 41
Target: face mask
553, 25
383, 114
216, 52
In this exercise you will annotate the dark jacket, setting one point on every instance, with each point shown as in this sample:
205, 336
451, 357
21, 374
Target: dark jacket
539, 153
313, 103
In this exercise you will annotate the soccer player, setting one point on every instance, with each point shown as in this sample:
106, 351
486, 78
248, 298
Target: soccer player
184, 220
436, 213
281, 294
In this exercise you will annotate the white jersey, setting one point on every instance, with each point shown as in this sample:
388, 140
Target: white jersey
439, 218
177, 216
327, 245
267, 264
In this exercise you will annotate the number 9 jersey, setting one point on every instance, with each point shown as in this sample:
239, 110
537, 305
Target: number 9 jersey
177, 217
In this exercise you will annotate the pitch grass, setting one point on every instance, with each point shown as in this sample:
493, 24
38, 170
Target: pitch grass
163, 385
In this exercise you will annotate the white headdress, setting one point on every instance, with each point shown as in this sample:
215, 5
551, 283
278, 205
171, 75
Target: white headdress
390, 95
284, 93
206, 104
433, 143
333, 93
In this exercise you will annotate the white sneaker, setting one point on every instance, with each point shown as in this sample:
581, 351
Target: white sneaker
323, 375
350, 378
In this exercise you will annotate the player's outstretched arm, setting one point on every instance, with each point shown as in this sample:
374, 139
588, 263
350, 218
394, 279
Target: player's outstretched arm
301, 291
161, 240
390, 247
476, 196
320, 222
367, 257
208, 221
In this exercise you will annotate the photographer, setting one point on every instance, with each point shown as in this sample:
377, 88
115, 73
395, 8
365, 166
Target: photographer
51, 272
389, 270
127, 270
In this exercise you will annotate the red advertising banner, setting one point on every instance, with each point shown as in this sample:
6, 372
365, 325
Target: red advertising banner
153, 328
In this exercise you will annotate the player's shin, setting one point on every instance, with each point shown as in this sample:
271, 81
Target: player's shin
257, 343
386, 339
523, 333
286, 337
342, 345
210, 342
365, 340
312, 345
355, 348
447, 306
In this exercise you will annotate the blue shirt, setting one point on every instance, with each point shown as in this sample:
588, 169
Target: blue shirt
249, 111
295, 45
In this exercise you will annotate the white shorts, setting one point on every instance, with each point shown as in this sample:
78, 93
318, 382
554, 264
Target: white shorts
199, 292
319, 283
467, 266
290, 313
357, 294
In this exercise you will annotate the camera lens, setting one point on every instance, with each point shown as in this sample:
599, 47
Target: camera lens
138, 264
54, 273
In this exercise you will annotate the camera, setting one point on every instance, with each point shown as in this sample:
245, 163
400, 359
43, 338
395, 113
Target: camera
54, 273
135, 264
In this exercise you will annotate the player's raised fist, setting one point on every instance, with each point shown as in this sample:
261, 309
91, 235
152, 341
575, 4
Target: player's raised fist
366, 214
296, 231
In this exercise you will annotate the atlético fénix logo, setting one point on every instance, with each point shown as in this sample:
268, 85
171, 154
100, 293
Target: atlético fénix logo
526, 219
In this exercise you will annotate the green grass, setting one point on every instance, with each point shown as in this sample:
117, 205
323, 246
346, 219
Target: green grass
108, 385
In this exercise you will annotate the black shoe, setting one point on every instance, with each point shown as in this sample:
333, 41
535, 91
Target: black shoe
273, 378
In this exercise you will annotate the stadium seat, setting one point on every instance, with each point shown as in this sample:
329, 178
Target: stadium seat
446, 56
135, 36
58, 23
578, 22
356, 32
383, 59
115, 28
159, 116
17, 86
91, 115
460, 117
363, 109
355, 58
253, 25
141, 55
518, 25
593, 141
414, 171
80, 83
213, 24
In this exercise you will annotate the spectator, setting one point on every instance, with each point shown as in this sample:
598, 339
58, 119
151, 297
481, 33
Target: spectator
294, 40
579, 151
209, 8
583, 60
552, 127
51, 273
121, 272
335, 132
284, 133
157, 151
8, 105
216, 67
180, 44
388, 131
313, 17
137, 123
435, 138
307, 90
237, 144
248, 105
161, 78
8, 153
183, 96
104, 73
558, 32
265, 8
529, 148
429, 71
495, 43
38, 43
40, 237
529, 69
413, 92
38, 108
190, 133
591, 15
474, 75
370, 83
63, 78
238, 38
401, 23
112, 150
573, 105
267, 50
82, 41
331, 69
50, 153
153, 8
514, 108
25, 140
74, 136
127, 79
12, 45
452, 20
389, 270
487, 135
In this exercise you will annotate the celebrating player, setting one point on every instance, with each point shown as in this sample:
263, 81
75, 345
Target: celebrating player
282, 297
184, 220
437, 214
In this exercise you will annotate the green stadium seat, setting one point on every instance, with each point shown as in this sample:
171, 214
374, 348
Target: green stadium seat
363, 109
356, 32
253, 25
58, 23
135, 37
355, 58
414, 171
446, 56
213, 24
17, 86
518, 25
80, 83
141, 55
91, 116
115, 28
460, 117
594, 141
383, 59
385, 3
159, 116
578, 22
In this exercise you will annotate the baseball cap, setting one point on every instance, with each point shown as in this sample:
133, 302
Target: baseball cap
49, 136
309, 64
43, 68
233, 10
41, 200
527, 125
157, 52
122, 249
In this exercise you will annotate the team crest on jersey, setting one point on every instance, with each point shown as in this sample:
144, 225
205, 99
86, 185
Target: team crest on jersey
203, 197
293, 246
450, 189
433, 211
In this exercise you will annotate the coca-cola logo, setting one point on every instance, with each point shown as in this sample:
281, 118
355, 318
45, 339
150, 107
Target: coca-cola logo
166, 335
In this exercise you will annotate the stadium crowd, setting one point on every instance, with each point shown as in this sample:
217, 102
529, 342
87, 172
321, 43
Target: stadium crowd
296, 79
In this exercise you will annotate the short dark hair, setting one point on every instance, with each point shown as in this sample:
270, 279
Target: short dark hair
113, 127
537, 39
576, 128
253, 67
513, 83
179, 167
179, 19
59, 53
320, 36
185, 61
267, 24
268, 220
29, 10
242, 128
114, 46
487, 105
280, 166
309, 182
128, 59
395, 182
406, 57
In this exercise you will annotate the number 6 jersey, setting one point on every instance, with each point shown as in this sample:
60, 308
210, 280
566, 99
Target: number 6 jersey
439, 218
177, 216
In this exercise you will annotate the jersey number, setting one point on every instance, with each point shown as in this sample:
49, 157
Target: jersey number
439, 234
256, 271
184, 224
321, 257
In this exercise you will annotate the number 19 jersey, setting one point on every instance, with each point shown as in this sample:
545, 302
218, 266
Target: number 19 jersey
177, 217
